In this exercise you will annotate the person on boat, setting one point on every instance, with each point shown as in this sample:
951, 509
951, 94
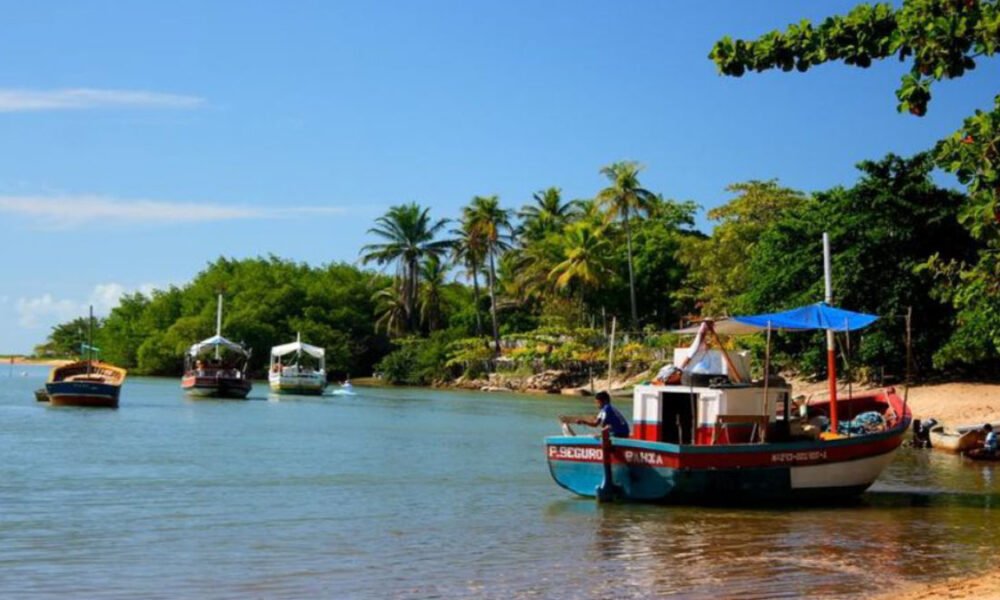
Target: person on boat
607, 416
990, 443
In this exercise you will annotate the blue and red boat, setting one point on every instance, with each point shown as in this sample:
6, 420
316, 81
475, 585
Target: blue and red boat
707, 434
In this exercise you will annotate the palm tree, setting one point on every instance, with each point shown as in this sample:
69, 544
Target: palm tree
469, 252
433, 272
390, 310
491, 225
623, 198
409, 238
547, 215
586, 259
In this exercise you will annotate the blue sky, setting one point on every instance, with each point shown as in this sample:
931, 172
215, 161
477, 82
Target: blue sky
141, 140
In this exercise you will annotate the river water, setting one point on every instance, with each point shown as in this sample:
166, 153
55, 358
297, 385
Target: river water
414, 493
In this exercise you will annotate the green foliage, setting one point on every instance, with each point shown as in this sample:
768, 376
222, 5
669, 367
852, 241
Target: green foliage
419, 361
941, 37
882, 231
66, 339
718, 266
267, 301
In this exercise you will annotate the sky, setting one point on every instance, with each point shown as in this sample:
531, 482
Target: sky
139, 140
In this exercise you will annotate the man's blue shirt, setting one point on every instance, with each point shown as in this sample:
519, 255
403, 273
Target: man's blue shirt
613, 418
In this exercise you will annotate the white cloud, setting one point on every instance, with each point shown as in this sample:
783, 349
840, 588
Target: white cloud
32, 311
47, 310
66, 212
20, 100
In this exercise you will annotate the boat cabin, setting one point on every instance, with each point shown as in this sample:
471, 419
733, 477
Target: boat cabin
706, 397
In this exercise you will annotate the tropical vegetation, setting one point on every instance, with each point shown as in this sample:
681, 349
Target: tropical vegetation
539, 282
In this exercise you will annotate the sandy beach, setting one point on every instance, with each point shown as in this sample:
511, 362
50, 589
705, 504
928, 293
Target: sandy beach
985, 586
23, 360
953, 404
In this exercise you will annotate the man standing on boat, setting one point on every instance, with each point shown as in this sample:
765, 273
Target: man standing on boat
607, 416
990, 443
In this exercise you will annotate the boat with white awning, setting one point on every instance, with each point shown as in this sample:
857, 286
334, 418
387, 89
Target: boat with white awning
297, 368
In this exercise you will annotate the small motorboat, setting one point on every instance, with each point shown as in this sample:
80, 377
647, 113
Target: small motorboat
983, 454
41, 395
956, 441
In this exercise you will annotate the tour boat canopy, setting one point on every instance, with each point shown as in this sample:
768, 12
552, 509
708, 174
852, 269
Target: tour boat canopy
214, 342
813, 316
298, 346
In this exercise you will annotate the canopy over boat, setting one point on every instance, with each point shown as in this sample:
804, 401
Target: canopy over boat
216, 341
298, 346
813, 316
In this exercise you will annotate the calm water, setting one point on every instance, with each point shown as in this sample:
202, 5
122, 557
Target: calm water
414, 494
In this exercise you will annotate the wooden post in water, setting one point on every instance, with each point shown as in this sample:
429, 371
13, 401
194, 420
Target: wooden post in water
909, 354
611, 351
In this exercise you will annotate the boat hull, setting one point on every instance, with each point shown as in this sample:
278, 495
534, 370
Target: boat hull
957, 442
216, 387
83, 393
645, 471
302, 386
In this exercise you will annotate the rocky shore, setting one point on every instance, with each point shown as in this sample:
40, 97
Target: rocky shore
552, 381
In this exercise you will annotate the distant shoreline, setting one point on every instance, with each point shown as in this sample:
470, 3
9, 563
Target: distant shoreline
44, 362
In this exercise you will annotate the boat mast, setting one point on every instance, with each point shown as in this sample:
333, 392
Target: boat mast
90, 338
218, 326
831, 357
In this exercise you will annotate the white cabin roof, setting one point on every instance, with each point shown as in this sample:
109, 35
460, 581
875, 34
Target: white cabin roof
298, 346
215, 341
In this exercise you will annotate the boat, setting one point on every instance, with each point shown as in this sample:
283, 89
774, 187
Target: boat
708, 434
86, 382
981, 454
41, 395
216, 367
306, 375
956, 441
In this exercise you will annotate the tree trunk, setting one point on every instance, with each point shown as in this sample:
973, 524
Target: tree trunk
631, 277
413, 317
475, 295
493, 305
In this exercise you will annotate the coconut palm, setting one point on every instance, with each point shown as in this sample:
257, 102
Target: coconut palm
622, 199
469, 251
433, 272
549, 214
587, 254
390, 310
408, 233
491, 225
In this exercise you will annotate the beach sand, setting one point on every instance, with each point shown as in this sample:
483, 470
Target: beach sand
953, 404
985, 586
47, 362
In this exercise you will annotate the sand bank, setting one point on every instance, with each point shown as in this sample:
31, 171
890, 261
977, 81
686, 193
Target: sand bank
46, 362
985, 586
953, 404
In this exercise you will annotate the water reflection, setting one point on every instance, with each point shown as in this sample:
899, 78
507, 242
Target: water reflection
930, 517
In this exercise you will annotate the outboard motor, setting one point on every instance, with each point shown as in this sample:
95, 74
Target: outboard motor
922, 432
